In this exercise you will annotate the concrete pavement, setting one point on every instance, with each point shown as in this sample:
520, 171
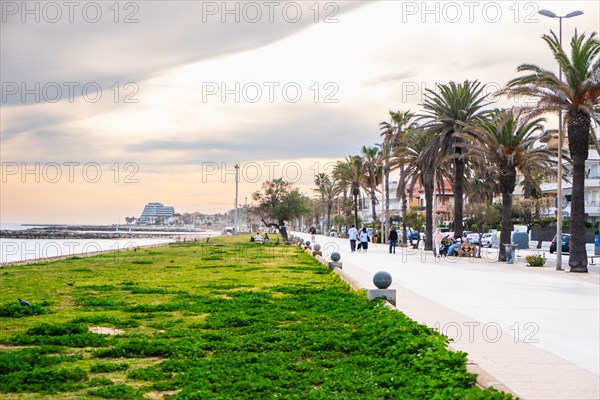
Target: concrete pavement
535, 330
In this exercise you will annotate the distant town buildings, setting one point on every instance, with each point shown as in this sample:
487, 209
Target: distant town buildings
158, 214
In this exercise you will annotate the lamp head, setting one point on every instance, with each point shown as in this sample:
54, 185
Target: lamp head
547, 13
573, 14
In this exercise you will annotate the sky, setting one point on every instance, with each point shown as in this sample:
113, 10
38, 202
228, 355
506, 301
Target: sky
109, 105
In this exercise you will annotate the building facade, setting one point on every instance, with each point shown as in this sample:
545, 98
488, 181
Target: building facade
155, 213
591, 195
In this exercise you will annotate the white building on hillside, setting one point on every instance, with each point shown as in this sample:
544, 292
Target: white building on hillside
154, 212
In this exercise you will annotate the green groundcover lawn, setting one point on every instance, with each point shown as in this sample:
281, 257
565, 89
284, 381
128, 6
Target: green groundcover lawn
218, 320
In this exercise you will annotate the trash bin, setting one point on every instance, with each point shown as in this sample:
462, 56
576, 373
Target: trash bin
510, 253
597, 243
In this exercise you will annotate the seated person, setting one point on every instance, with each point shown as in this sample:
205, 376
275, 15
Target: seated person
454, 247
258, 238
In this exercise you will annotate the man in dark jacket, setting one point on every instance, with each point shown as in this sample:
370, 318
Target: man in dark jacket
393, 238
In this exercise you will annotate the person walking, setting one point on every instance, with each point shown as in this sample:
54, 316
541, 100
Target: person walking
393, 238
364, 240
353, 236
313, 234
437, 242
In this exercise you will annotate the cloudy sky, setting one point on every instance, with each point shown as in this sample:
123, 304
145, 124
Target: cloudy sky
109, 105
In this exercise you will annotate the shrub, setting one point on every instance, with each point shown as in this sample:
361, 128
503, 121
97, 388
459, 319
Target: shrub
15, 310
109, 367
535, 260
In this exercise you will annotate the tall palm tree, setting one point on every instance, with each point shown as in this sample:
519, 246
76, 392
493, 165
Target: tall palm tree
394, 132
578, 96
350, 175
446, 112
421, 165
505, 142
386, 160
371, 176
328, 189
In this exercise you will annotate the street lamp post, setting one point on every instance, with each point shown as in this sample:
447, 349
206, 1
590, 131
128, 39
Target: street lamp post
236, 221
559, 194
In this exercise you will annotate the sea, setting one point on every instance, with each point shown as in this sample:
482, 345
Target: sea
15, 250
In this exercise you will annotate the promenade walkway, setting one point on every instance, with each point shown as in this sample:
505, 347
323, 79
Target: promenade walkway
534, 330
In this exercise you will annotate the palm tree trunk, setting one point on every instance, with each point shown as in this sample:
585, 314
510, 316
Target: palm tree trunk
373, 205
507, 186
329, 207
402, 191
356, 211
506, 224
404, 209
428, 213
578, 131
386, 183
459, 170
527, 192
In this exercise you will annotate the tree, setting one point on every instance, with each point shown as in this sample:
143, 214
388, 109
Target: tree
328, 189
578, 96
446, 113
395, 132
482, 184
531, 207
372, 173
278, 200
350, 175
505, 142
384, 158
422, 166
484, 215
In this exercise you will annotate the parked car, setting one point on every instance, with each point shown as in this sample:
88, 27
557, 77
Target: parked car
486, 239
566, 239
473, 238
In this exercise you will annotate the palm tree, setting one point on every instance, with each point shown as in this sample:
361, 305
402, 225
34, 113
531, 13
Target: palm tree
446, 113
350, 175
385, 158
505, 142
422, 166
328, 189
578, 95
371, 176
482, 184
395, 132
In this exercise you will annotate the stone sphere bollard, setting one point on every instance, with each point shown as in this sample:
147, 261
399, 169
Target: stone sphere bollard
307, 243
382, 280
335, 257
316, 247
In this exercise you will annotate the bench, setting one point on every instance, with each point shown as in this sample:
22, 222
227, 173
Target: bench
467, 250
592, 258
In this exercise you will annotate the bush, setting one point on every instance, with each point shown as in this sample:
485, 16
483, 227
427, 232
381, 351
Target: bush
535, 260
109, 367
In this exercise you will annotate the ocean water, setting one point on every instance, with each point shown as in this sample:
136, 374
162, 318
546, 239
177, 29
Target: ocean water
12, 226
12, 250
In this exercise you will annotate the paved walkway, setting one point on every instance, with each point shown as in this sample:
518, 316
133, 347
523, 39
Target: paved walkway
535, 330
